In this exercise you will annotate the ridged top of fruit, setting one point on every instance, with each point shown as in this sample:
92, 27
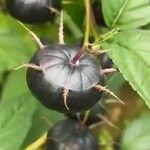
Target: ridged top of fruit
58, 69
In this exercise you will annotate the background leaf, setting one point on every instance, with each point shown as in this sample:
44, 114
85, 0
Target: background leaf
43, 120
16, 46
11, 90
137, 135
76, 16
130, 52
115, 81
15, 121
126, 13
23, 119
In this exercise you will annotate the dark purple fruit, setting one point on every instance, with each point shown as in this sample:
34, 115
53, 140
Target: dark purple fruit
70, 135
33, 11
106, 62
59, 74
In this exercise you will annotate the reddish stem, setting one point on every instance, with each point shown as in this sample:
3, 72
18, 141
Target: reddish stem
77, 56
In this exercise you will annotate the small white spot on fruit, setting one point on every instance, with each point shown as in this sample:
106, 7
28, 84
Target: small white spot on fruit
77, 62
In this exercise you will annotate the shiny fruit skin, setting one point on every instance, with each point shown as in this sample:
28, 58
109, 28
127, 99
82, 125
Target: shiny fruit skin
106, 62
58, 73
32, 11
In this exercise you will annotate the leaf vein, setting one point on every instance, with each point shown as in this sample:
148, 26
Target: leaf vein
119, 13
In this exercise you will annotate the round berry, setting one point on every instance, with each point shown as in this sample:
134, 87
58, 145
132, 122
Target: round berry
63, 85
33, 11
70, 135
106, 62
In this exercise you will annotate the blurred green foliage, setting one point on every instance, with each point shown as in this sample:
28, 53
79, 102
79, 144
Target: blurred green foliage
23, 120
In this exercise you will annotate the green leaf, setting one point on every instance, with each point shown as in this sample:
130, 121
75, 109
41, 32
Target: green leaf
15, 46
43, 119
15, 121
11, 90
126, 13
130, 51
72, 26
105, 138
77, 16
16, 112
73, 19
114, 82
137, 135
